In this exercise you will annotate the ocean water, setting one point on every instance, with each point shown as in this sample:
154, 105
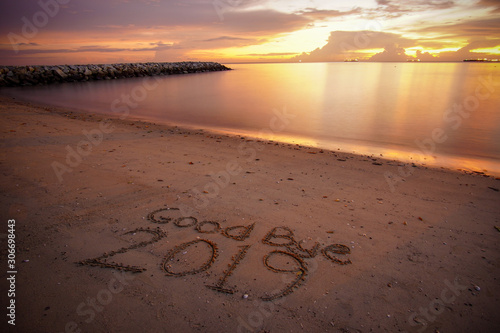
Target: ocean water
444, 114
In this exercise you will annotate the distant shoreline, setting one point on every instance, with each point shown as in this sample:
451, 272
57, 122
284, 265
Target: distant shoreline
18, 76
360, 61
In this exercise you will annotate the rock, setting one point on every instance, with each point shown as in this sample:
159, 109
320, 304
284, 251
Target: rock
36, 75
12, 80
59, 72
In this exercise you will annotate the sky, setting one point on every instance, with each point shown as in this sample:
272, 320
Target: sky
49, 32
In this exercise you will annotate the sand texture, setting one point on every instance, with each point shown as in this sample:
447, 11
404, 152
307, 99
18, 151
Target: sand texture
258, 236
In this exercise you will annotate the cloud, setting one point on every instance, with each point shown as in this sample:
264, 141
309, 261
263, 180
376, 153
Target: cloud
224, 42
468, 29
397, 53
188, 24
98, 17
425, 56
397, 8
392, 53
322, 14
28, 44
349, 44
91, 15
343, 45
263, 22
92, 48
417, 4
272, 54
225, 38
181, 29
494, 4
476, 33
466, 51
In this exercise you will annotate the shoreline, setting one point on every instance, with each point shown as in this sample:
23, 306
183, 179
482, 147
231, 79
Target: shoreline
411, 160
420, 256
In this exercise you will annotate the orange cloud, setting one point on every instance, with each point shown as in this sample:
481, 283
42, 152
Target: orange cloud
251, 30
350, 44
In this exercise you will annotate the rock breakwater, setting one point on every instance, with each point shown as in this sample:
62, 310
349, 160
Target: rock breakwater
15, 76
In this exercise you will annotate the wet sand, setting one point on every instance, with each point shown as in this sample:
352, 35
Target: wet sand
296, 239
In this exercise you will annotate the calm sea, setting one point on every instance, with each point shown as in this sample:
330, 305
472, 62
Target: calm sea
444, 114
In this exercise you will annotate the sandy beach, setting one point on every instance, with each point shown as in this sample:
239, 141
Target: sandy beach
127, 226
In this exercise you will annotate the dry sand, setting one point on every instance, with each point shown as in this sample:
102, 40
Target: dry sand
424, 252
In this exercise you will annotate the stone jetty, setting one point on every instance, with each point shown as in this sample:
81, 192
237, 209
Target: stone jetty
14, 76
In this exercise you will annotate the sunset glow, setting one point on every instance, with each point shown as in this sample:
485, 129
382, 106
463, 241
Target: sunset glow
91, 31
